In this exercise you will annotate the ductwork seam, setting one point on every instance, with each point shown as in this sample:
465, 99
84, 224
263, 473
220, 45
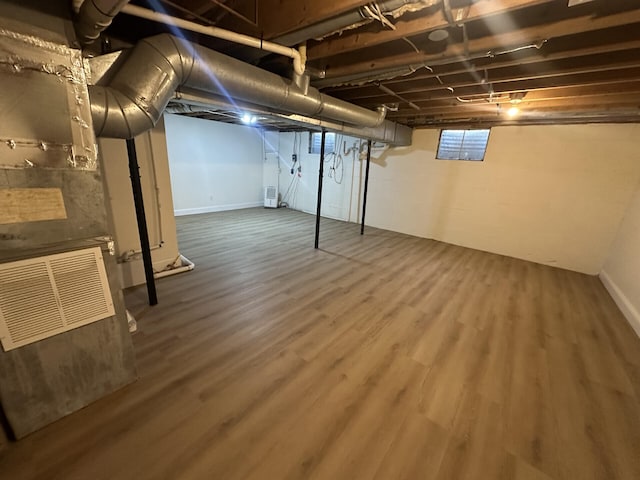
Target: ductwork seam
184, 59
124, 116
94, 17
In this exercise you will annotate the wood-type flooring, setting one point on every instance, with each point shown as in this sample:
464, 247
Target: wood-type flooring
382, 357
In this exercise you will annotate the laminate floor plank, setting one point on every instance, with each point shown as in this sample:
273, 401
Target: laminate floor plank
382, 356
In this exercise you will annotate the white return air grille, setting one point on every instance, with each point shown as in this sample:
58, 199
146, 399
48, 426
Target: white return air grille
41, 297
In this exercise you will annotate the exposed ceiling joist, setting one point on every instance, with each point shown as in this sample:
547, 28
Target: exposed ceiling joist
459, 64
486, 46
579, 62
427, 84
278, 17
512, 83
357, 40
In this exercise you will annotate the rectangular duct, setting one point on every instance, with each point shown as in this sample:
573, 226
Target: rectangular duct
52, 201
42, 81
44, 296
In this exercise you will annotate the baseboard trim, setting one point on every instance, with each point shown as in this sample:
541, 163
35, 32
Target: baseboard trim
216, 208
629, 311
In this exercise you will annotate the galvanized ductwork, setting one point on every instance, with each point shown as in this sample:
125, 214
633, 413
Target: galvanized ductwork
353, 19
140, 90
94, 17
388, 132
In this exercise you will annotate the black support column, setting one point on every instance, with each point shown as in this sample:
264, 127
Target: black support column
320, 175
134, 173
366, 187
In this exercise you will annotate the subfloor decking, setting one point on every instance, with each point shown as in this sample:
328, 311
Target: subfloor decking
377, 357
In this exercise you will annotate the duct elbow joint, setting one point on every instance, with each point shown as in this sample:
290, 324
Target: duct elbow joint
115, 116
382, 114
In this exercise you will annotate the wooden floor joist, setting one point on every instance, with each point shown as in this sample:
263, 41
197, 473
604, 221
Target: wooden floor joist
381, 356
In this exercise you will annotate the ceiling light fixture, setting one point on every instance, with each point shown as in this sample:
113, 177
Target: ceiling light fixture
438, 35
513, 111
248, 119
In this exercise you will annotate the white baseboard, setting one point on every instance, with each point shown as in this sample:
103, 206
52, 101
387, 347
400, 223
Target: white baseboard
631, 314
216, 208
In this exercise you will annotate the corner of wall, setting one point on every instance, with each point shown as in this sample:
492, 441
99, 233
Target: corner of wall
628, 310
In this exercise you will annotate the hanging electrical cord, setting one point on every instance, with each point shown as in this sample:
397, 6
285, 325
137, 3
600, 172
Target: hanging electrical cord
290, 196
287, 195
294, 192
295, 169
336, 167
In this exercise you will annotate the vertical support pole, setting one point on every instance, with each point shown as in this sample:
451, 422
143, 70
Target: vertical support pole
366, 187
320, 175
136, 186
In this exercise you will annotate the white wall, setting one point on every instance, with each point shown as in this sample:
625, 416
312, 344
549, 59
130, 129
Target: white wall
621, 273
549, 194
214, 166
300, 190
156, 189
554, 194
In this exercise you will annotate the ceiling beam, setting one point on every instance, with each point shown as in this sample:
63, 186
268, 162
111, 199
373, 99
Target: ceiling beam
513, 75
628, 70
533, 105
493, 43
363, 39
455, 65
550, 118
613, 86
567, 101
277, 17
500, 115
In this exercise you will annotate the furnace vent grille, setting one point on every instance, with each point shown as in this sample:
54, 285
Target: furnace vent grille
45, 296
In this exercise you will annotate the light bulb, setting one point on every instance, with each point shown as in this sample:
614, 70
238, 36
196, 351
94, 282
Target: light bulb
513, 111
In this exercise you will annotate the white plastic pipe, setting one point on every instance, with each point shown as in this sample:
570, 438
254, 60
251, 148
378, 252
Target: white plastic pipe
185, 267
299, 57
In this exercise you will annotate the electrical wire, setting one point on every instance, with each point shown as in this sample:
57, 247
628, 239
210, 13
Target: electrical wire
413, 45
336, 167
374, 12
381, 16
289, 197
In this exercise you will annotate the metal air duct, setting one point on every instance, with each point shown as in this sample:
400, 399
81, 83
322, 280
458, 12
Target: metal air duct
94, 17
388, 132
353, 19
139, 91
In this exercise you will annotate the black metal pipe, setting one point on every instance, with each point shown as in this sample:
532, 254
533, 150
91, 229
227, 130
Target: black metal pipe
366, 187
320, 175
136, 186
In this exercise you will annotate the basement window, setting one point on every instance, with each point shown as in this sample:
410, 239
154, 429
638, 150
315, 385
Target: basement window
315, 138
463, 145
